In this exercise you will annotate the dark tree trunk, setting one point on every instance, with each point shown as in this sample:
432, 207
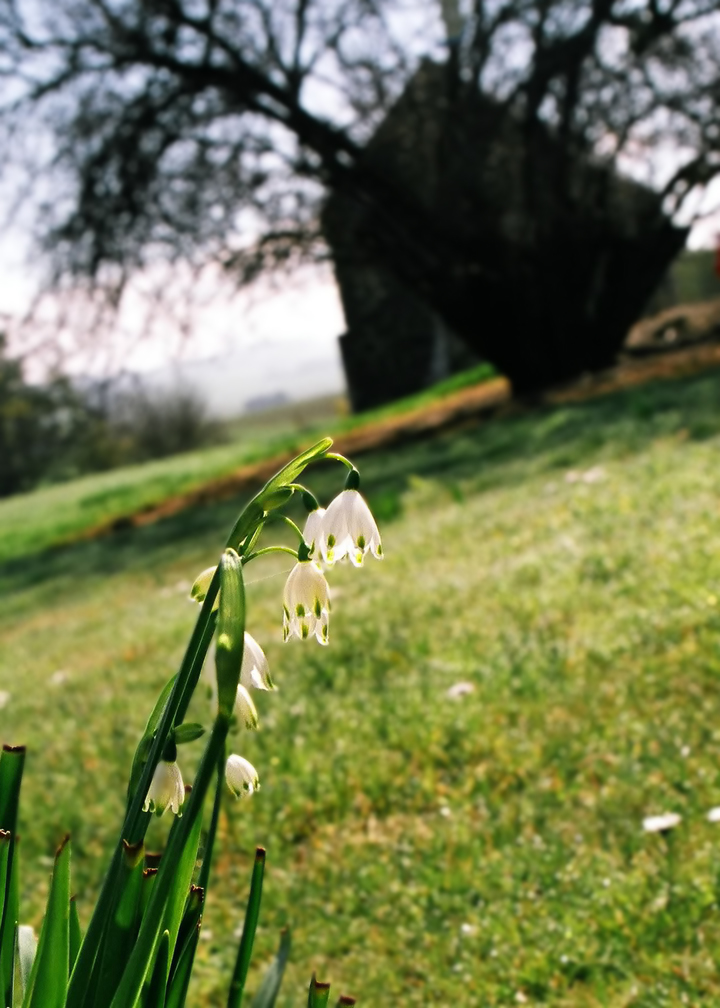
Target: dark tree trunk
537, 258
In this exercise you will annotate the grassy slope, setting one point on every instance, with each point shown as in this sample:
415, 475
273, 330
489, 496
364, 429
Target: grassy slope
32, 522
429, 851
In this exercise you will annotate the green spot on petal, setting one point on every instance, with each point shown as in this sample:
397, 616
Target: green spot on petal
361, 542
305, 630
300, 610
318, 608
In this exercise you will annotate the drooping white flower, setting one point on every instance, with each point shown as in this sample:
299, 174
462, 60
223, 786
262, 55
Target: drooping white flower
241, 776
349, 529
313, 530
661, 823
244, 709
306, 602
166, 788
255, 670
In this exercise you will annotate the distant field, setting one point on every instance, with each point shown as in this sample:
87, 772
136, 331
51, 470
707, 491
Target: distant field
32, 522
429, 850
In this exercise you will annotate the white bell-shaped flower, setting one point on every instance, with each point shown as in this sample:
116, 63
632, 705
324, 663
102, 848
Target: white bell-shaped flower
349, 529
255, 670
244, 709
241, 776
312, 532
306, 602
166, 788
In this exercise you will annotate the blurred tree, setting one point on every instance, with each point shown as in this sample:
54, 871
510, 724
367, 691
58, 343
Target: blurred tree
498, 192
37, 426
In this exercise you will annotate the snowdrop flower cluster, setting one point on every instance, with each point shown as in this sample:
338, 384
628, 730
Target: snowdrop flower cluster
345, 529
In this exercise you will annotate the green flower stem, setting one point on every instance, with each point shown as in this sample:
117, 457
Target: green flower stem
204, 876
139, 961
267, 550
136, 823
288, 521
339, 458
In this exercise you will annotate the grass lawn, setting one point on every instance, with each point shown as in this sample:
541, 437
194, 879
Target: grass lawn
485, 849
33, 522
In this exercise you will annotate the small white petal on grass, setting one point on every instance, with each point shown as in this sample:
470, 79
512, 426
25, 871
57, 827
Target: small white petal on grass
4, 698
58, 678
468, 930
445, 811
661, 823
460, 689
714, 814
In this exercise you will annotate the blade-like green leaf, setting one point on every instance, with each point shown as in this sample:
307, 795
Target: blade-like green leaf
180, 888
318, 993
252, 912
75, 933
253, 513
270, 987
153, 995
135, 971
122, 928
12, 762
48, 979
187, 733
143, 748
188, 925
289, 473
180, 978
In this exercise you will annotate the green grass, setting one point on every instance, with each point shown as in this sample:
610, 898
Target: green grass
48, 517
428, 850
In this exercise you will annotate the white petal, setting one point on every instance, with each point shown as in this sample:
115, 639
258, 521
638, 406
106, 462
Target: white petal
166, 788
241, 776
244, 709
312, 533
255, 669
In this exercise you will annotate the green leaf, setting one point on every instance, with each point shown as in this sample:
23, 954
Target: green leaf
253, 513
270, 987
122, 927
12, 762
180, 836
184, 868
252, 912
153, 995
274, 499
180, 979
230, 631
189, 924
48, 979
187, 732
75, 933
318, 993
143, 749
289, 473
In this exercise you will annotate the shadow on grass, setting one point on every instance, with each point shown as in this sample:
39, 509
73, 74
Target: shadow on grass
485, 454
